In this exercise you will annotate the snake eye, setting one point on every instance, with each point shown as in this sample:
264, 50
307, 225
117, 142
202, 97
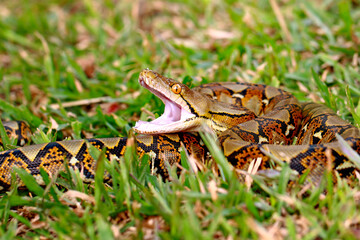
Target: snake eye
176, 88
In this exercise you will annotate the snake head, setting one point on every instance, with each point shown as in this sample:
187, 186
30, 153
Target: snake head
183, 107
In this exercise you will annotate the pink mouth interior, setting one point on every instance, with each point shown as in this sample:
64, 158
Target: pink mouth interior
173, 113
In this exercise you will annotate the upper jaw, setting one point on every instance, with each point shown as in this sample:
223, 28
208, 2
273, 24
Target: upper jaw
174, 119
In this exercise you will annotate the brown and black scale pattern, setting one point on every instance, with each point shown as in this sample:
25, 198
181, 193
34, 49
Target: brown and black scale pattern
313, 124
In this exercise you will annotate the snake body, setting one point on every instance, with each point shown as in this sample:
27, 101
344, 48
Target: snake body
250, 120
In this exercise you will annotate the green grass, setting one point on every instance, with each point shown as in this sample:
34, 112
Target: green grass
57, 52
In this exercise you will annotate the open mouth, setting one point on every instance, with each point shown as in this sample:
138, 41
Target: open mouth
172, 120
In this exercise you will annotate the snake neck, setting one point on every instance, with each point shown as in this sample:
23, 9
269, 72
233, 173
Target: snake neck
223, 116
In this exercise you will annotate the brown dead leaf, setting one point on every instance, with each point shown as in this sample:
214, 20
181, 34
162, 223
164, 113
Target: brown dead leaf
112, 33
73, 195
260, 230
248, 19
78, 84
36, 223
5, 60
355, 60
275, 229
220, 34
302, 87
87, 64
315, 98
4, 11
213, 190
253, 167
30, 214
54, 124
186, 42
200, 210
113, 107
261, 67
84, 38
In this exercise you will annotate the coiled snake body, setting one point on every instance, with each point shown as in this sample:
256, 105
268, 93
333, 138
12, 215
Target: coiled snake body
249, 119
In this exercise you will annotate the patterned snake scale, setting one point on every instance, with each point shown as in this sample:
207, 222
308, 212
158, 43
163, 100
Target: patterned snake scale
249, 119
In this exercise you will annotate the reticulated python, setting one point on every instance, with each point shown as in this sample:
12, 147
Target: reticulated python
247, 118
